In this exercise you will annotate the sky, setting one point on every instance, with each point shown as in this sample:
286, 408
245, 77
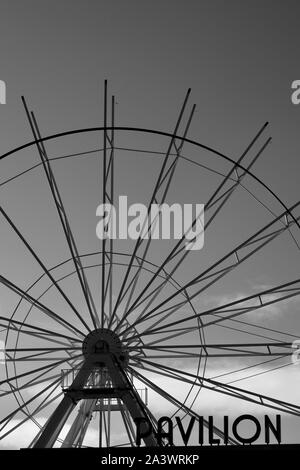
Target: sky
239, 59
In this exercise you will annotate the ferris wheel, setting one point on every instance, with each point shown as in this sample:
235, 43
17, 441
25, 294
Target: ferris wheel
102, 334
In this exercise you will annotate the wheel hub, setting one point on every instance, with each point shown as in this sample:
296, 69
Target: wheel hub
103, 341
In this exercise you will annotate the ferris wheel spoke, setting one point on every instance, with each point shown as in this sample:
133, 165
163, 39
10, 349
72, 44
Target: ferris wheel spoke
31, 383
183, 331
34, 358
230, 390
30, 249
168, 279
156, 291
235, 257
171, 399
38, 356
107, 198
157, 371
166, 316
39, 349
25, 404
52, 380
288, 294
64, 222
133, 283
246, 368
105, 428
160, 191
254, 325
7, 350
36, 303
215, 199
71, 361
33, 371
45, 333
184, 293
132, 430
230, 314
176, 332
45, 403
236, 308
227, 350
187, 355
286, 291
48, 337
45, 337
173, 375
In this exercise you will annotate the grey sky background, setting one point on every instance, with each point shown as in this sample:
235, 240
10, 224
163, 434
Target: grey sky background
239, 58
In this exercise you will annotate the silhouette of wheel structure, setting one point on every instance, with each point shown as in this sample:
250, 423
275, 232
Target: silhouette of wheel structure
102, 333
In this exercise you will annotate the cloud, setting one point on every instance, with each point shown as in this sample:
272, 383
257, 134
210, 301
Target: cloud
281, 384
25, 433
22, 436
271, 310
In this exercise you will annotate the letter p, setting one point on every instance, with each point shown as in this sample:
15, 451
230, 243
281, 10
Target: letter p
143, 429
